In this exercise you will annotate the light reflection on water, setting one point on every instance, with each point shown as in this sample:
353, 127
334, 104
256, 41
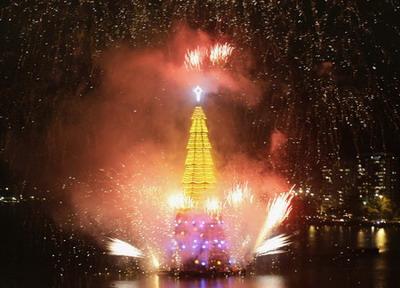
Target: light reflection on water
312, 235
325, 237
361, 239
372, 238
273, 281
321, 257
381, 240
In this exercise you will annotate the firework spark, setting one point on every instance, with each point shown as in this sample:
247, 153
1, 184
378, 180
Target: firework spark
194, 59
180, 201
220, 53
216, 55
277, 211
238, 194
273, 245
155, 262
120, 248
212, 206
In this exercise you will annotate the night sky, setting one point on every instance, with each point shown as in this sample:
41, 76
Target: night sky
330, 72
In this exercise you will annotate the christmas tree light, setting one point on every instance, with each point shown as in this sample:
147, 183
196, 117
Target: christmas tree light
199, 244
198, 178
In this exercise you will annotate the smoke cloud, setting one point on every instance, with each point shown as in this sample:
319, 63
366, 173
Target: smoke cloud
127, 141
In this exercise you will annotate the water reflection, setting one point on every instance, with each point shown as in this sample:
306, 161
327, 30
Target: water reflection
156, 281
361, 241
273, 281
320, 257
381, 239
124, 284
312, 235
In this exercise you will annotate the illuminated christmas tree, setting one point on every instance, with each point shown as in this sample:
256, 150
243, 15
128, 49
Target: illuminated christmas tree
198, 178
199, 242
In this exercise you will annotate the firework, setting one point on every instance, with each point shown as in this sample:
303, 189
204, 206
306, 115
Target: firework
340, 96
194, 59
277, 211
239, 194
219, 53
322, 58
216, 55
155, 262
273, 245
212, 206
179, 201
120, 248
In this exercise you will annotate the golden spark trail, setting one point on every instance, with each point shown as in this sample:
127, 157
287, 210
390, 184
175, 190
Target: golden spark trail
120, 248
277, 211
220, 53
273, 245
194, 59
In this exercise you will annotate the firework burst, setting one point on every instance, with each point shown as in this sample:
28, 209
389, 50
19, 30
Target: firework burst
239, 194
273, 245
120, 248
199, 59
179, 201
278, 210
194, 59
213, 206
220, 53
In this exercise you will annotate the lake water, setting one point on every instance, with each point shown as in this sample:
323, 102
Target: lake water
321, 256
